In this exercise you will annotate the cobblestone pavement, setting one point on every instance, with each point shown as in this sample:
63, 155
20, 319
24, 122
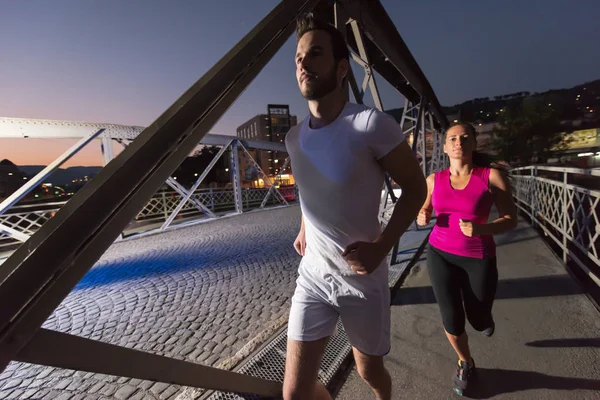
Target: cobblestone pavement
198, 293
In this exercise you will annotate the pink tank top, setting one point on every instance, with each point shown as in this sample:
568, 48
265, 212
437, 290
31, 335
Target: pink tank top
473, 203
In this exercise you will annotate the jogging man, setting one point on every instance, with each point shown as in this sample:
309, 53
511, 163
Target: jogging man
340, 154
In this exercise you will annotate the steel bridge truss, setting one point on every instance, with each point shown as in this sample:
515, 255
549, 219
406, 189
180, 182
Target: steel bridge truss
38, 276
21, 222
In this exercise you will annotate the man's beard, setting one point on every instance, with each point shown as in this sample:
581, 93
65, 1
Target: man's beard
321, 86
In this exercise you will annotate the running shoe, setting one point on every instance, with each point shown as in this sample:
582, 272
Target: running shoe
460, 379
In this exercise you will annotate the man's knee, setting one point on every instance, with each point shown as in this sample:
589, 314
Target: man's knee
302, 366
370, 368
367, 374
293, 392
315, 391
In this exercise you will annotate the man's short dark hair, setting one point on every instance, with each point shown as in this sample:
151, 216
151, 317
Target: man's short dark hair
309, 22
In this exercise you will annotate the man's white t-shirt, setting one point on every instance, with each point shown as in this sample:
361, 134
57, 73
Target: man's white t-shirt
340, 181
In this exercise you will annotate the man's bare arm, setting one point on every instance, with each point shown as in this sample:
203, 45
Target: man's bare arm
424, 216
300, 242
404, 169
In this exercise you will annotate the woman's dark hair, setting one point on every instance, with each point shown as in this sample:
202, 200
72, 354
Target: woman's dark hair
479, 159
308, 22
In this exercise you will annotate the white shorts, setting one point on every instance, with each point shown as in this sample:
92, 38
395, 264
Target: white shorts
362, 301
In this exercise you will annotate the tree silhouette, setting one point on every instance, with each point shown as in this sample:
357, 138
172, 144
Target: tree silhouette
529, 132
192, 167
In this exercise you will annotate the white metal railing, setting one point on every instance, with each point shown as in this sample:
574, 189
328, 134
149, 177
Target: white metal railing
29, 218
216, 199
565, 204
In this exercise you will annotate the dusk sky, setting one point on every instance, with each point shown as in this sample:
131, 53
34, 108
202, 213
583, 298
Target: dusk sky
126, 61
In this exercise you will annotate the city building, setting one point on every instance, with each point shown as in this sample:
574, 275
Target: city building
271, 127
582, 150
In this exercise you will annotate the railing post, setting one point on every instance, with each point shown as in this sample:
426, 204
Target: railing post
234, 162
164, 205
565, 209
533, 195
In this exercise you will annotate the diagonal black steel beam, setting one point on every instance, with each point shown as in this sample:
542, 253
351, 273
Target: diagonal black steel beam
381, 31
383, 67
377, 59
41, 273
61, 350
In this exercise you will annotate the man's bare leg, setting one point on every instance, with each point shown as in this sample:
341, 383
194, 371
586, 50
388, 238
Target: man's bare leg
372, 370
301, 369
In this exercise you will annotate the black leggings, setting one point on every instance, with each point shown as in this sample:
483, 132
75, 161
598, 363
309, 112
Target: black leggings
456, 279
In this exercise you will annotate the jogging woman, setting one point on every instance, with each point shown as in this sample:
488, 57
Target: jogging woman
461, 257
